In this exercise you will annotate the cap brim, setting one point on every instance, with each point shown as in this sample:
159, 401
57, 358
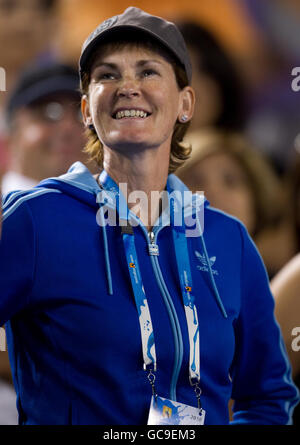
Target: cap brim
86, 53
45, 88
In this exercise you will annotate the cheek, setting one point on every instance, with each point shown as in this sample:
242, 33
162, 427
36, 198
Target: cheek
170, 102
244, 202
163, 95
99, 101
33, 135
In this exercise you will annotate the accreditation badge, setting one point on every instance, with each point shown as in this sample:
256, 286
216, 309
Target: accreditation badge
166, 412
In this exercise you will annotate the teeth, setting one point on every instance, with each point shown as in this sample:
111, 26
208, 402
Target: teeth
131, 113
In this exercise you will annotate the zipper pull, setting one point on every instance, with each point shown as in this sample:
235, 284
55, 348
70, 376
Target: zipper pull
152, 247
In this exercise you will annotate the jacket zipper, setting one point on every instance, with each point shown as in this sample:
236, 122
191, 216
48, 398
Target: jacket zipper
178, 343
152, 236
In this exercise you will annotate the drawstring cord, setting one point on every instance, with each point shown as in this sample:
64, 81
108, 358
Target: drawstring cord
106, 253
215, 289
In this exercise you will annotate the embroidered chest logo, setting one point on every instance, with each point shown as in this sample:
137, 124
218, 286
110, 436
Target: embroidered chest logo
203, 266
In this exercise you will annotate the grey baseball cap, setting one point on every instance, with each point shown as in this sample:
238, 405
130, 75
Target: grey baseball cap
40, 80
135, 19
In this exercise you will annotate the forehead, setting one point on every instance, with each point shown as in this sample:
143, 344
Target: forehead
137, 49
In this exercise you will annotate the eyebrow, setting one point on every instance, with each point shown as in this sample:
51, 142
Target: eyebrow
103, 64
140, 63
144, 62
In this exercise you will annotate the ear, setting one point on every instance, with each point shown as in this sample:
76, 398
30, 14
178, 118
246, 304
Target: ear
187, 104
85, 110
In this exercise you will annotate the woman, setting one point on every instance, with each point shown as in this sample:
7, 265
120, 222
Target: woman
238, 180
102, 319
234, 178
292, 180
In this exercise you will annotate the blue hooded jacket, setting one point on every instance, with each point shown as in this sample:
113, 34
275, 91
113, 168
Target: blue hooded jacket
72, 326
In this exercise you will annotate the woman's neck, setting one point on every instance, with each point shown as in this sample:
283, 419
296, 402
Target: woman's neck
142, 174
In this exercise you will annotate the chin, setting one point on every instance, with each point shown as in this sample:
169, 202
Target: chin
129, 143
130, 146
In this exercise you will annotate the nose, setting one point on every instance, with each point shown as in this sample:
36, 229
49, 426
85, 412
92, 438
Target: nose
129, 87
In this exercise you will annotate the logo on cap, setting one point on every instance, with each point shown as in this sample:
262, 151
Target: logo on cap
104, 25
107, 24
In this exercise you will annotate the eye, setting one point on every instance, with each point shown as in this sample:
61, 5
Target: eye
103, 75
149, 72
106, 76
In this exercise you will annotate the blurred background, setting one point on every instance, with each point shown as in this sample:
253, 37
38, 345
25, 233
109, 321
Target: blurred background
260, 36
246, 130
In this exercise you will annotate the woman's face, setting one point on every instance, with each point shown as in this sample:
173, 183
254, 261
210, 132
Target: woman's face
134, 100
225, 185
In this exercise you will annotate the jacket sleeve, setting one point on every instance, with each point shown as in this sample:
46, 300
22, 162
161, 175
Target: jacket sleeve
261, 375
17, 246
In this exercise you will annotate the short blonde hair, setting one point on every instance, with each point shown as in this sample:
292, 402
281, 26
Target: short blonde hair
180, 151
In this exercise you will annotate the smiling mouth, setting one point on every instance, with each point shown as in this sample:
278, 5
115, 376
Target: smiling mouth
130, 113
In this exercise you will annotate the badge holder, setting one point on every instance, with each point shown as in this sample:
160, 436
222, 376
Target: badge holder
198, 393
167, 412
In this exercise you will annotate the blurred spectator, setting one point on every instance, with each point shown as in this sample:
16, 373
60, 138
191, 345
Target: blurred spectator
237, 180
26, 27
293, 185
8, 409
44, 132
219, 89
279, 21
3, 158
274, 108
44, 136
26, 33
285, 287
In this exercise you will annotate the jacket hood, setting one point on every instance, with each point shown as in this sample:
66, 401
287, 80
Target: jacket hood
79, 183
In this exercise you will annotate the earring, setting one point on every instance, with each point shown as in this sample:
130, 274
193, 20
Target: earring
184, 118
91, 127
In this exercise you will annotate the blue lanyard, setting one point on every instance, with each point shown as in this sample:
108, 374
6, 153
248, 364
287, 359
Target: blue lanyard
186, 284
149, 353
147, 335
184, 271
